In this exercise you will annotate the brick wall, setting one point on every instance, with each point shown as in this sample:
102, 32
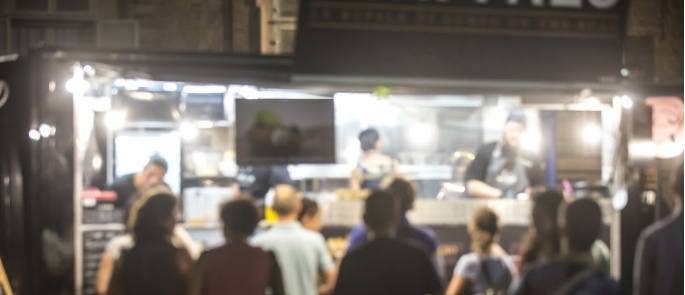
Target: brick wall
241, 25
197, 25
661, 23
179, 25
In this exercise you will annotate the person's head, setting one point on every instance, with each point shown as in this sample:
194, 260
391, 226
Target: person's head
581, 223
240, 218
153, 172
140, 201
287, 202
310, 215
381, 213
369, 139
483, 229
156, 218
514, 126
545, 212
404, 190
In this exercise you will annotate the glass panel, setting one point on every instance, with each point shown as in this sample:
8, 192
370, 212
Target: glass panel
31, 4
72, 5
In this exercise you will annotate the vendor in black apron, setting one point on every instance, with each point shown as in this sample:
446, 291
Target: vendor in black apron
499, 169
128, 187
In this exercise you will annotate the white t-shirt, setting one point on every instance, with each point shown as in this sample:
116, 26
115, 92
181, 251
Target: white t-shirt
499, 268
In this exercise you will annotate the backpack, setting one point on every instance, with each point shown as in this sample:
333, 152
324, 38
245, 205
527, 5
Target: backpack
490, 285
589, 282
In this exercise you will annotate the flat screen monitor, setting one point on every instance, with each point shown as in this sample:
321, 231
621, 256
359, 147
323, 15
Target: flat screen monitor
284, 131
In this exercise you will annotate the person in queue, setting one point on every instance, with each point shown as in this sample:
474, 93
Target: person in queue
576, 272
658, 265
154, 265
488, 269
259, 179
237, 266
405, 193
385, 265
542, 243
130, 186
373, 166
301, 253
499, 169
180, 238
310, 215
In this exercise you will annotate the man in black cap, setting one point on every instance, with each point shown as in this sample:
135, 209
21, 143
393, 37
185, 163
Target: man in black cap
128, 187
499, 170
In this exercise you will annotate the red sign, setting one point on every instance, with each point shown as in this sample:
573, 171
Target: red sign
667, 125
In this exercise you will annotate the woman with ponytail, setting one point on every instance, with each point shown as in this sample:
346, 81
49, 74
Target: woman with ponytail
487, 269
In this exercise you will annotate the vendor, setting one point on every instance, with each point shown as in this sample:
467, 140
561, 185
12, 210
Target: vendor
258, 180
499, 169
373, 165
128, 187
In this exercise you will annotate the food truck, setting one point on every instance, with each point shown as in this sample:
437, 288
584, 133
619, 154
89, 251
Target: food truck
436, 80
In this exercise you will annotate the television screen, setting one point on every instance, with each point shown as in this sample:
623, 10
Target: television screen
284, 131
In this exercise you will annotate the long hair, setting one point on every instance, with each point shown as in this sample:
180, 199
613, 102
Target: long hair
543, 240
138, 204
154, 221
153, 265
483, 229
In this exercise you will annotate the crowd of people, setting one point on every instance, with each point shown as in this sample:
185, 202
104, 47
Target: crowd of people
562, 253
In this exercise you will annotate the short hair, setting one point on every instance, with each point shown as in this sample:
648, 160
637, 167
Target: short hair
583, 224
483, 228
158, 161
381, 211
286, 199
517, 116
309, 208
368, 139
403, 189
239, 216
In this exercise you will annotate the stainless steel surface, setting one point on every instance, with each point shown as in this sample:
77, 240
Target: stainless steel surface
437, 212
416, 172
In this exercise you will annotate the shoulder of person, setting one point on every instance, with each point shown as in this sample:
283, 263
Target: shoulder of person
261, 236
652, 232
208, 253
124, 179
539, 269
410, 249
469, 259
315, 237
387, 159
357, 231
118, 244
262, 239
487, 148
428, 234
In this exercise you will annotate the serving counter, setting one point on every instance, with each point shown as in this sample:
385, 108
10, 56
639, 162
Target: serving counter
433, 212
448, 219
